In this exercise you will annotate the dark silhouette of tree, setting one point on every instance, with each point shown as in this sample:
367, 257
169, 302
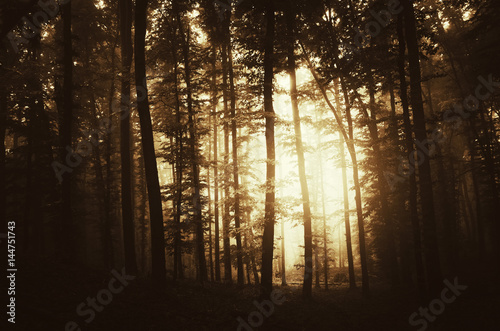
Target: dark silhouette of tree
153, 185
126, 184
268, 236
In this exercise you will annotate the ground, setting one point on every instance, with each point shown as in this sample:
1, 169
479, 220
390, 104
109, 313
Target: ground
48, 296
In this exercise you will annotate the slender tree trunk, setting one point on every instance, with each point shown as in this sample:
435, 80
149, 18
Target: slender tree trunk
431, 252
365, 287
409, 147
323, 210
403, 234
67, 235
347, 222
126, 179
106, 225
252, 260
153, 184
210, 247
269, 218
101, 183
198, 220
179, 141
236, 184
283, 255
143, 214
381, 182
216, 166
307, 286
361, 227
352, 151
228, 277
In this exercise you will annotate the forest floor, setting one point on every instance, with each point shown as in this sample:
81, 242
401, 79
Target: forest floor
48, 296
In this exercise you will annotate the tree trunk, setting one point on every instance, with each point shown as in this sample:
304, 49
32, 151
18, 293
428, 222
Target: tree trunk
269, 218
198, 220
283, 256
352, 152
323, 210
126, 183
179, 165
371, 119
409, 147
210, 246
431, 252
216, 166
228, 277
236, 184
67, 235
153, 184
307, 286
107, 237
347, 222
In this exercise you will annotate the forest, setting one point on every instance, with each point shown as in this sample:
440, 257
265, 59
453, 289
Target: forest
250, 165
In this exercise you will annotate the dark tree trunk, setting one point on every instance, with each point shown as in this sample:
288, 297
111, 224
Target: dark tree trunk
409, 147
216, 166
283, 255
67, 235
193, 142
153, 184
323, 210
365, 286
431, 251
179, 168
390, 249
126, 179
269, 218
226, 220
236, 184
210, 246
107, 239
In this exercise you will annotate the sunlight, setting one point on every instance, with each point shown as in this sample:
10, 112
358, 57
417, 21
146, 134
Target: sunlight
287, 174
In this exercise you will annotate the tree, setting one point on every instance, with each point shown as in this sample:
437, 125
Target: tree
268, 236
126, 184
307, 287
153, 185
66, 223
431, 250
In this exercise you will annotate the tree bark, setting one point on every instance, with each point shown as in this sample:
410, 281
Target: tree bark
67, 235
409, 147
269, 218
347, 222
153, 184
236, 184
126, 179
431, 251
216, 166
228, 276
307, 285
